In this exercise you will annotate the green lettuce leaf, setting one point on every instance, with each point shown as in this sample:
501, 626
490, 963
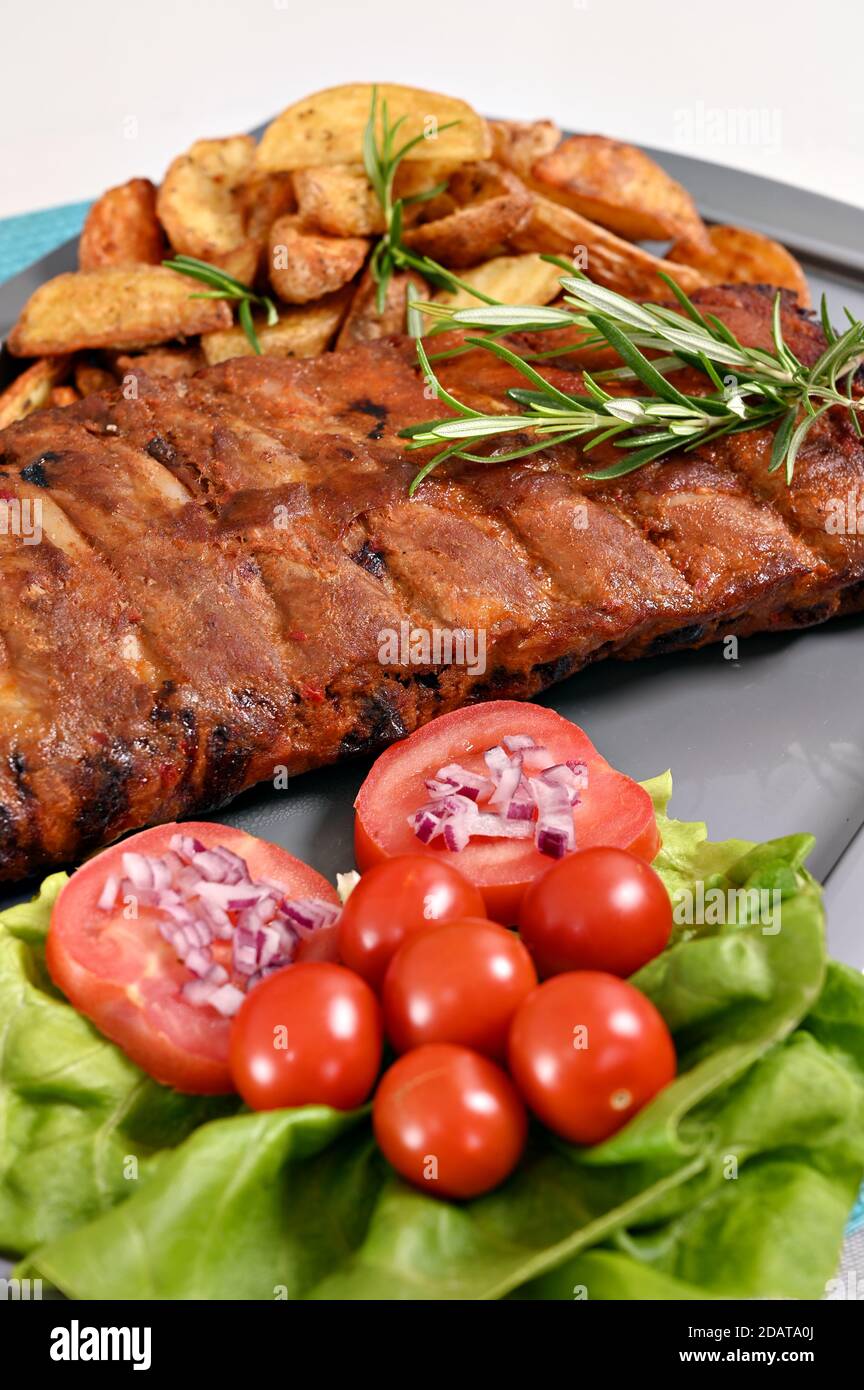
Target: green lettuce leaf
81, 1126
734, 1182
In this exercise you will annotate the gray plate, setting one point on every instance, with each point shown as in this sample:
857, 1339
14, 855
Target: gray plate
759, 746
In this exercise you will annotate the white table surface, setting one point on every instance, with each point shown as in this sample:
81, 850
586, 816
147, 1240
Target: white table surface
96, 91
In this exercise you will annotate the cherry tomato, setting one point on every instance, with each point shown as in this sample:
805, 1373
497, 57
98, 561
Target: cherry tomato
394, 899
449, 1121
308, 1035
457, 983
127, 979
614, 810
597, 909
587, 1051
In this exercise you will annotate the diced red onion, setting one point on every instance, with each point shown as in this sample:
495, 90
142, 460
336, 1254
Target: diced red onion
108, 896
487, 823
455, 778
199, 992
226, 1000
508, 785
308, 915
426, 823
521, 807
139, 869
496, 759
566, 776
186, 846
457, 831
541, 805
556, 840
554, 831
204, 894
199, 961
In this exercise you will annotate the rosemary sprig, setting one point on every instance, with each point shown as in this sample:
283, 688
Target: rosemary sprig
224, 286
758, 388
381, 159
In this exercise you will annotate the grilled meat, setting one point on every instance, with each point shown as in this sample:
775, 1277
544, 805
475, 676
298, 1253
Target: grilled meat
219, 556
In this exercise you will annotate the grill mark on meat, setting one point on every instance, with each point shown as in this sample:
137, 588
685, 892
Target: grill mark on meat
66, 723
169, 643
601, 565
102, 785
371, 560
379, 724
35, 472
379, 413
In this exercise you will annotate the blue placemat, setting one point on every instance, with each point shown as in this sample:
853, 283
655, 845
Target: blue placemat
24, 239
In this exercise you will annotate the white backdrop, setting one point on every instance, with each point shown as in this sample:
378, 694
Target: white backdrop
94, 91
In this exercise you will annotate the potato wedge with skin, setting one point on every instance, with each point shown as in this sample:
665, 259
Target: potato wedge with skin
491, 204
511, 279
519, 144
263, 198
328, 127
620, 187
122, 228
611, 261
414, 179
339, 200
740, 256
32, 389
90, 377
114, 307
304, 265
200, 206
302, 331
364, 324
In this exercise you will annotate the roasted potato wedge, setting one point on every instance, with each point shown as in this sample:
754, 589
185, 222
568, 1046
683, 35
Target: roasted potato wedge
338, 199
304, 265
113, 307
413, 179
519, 144
739, 256
608, 259
90, 377
263, 198
620, 187
302, 331
364, 324
64, 395
201, 207
32, 389
327, 128
122, 228
176, 363
491, 204
511, 279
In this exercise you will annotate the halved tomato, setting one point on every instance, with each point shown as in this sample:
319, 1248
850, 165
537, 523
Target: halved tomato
614, 810
127, 979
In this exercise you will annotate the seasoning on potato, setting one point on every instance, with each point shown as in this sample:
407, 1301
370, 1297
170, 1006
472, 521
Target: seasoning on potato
122, 228
112, 307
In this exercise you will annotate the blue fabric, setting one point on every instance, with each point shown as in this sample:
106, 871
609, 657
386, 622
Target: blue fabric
25, 239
